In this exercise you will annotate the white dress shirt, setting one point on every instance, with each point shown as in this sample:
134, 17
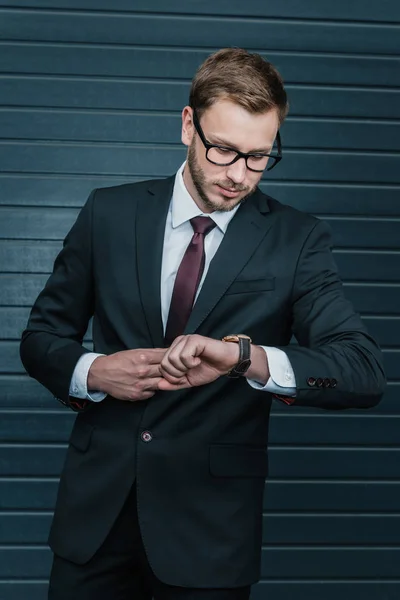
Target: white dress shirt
177, 236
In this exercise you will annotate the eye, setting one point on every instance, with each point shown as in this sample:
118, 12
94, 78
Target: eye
257, 157
224, 150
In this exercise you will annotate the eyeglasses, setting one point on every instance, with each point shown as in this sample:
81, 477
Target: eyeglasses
223, 156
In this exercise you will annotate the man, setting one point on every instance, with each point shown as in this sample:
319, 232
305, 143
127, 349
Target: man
196, 284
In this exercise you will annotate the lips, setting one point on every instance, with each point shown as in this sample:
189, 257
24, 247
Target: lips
229, 193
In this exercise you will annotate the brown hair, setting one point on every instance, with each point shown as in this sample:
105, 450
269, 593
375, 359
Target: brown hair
244, 78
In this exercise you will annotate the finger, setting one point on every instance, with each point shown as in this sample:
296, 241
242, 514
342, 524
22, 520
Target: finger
166, 386
171, 363
143, 396
169, 370
143, 372
151, 383
192, 352
149, 356
172, 378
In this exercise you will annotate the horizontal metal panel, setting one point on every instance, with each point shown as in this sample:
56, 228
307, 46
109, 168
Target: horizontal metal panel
158, 128
44, 223
276, 562
329, 496
13, 321
181, 64
375, 299
329, 562
184, 30
280, 496
24, 528
312, 9
21, 590
33, 528
285, 463
154, 160
285, 429
28, 494
386, 331
127, 94
357, 265
273, 590
331, 429
330, 463
372, 589
35, 256
365, 232
281, 590
21, 391
32, 561
36, 427
20, 290
317, 198
354, 529
36, 223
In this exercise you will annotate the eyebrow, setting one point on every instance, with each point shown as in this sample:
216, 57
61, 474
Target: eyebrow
226, 144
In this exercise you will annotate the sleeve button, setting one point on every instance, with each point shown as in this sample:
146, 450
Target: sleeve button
311, 381
320, 382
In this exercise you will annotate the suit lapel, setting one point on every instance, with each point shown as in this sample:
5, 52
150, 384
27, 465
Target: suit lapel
244, 234
150, 228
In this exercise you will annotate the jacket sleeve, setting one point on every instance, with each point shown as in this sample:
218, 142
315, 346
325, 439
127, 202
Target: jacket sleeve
52, 341
336, 363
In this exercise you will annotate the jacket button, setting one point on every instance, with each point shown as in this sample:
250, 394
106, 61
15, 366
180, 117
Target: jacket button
320, 382
311, 381
333, 383
146, 436
327, 382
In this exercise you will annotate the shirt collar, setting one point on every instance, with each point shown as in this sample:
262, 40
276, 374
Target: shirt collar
184, 208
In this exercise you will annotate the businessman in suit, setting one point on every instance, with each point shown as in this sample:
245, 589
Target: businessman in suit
196, 284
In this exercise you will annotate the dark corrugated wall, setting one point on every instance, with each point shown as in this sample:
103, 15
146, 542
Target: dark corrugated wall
90, 95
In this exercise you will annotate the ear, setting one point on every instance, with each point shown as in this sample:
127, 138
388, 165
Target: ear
187, 126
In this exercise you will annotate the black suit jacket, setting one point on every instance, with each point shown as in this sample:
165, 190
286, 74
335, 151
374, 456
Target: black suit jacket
200, 480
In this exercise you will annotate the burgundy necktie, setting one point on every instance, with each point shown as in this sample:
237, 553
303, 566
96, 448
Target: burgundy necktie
187, 279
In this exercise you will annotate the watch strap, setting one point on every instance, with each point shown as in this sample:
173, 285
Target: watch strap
244, 358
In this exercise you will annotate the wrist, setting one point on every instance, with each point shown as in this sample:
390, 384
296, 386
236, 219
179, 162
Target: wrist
232, 353
94, 374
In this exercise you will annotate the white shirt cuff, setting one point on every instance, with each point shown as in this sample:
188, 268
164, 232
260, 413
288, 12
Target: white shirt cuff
282, 380
78, 385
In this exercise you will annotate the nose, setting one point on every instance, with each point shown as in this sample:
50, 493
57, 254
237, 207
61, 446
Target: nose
237, 171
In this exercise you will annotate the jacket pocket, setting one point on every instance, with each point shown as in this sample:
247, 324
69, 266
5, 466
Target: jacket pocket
81, 435
244, 286
231, 460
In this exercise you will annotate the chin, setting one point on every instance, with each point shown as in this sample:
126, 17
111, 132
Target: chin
226, 204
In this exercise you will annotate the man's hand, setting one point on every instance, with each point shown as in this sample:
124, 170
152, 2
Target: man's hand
195, 360
128, 375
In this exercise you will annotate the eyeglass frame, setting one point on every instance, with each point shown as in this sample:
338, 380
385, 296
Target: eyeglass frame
277, 157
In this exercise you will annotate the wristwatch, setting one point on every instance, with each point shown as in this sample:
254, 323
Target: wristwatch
244, 353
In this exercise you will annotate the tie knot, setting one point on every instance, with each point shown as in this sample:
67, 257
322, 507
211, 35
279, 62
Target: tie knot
202, 224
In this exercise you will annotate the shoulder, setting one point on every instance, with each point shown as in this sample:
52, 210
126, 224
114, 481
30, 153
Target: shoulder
299, 222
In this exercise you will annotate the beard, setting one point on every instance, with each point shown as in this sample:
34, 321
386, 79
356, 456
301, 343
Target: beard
199, 181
